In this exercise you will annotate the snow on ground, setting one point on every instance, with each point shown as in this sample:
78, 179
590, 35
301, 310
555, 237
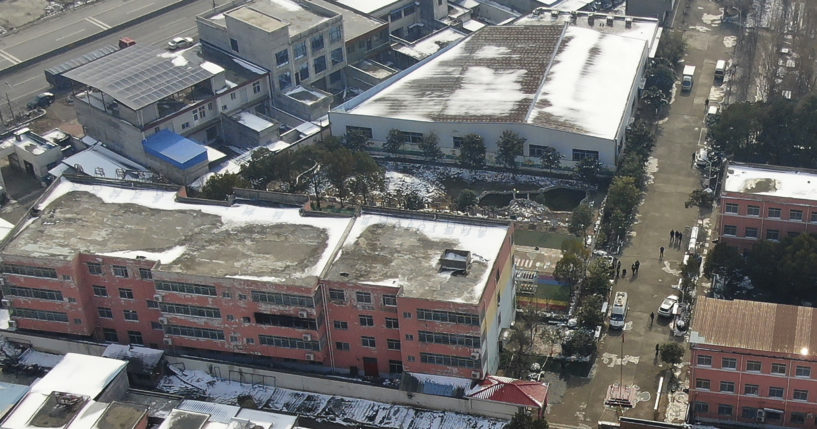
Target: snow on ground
730, 41
427, 179
397, 182
198, 383
336, 409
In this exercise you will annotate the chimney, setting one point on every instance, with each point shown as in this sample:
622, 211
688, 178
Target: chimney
628, 23
609, 20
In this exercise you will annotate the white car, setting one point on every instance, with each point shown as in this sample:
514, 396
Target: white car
180, 43
665, 309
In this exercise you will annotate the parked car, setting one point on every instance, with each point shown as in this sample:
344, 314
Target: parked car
125, 42
43, 99
665, 309
180, 43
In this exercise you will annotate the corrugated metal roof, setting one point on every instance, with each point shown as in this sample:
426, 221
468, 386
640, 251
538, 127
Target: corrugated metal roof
755, 325
503, 389
218, 412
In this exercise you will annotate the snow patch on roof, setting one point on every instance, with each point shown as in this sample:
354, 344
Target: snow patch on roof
771, 181
588, 85
431, 44
165, 257
499, 91
80, 374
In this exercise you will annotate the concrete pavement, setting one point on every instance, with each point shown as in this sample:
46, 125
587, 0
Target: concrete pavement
662, 210
25, 82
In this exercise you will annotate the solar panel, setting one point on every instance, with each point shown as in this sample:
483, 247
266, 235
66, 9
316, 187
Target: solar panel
138, 76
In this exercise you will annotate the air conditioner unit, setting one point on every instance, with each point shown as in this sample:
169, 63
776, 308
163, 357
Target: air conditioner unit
307, 337
6, 303
310, 356
163, 320
303, 314
475, 355
12, 325
169, 341
157, 298
761, 416
476, 374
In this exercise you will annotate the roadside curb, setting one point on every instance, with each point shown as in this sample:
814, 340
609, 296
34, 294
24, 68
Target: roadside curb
95, 36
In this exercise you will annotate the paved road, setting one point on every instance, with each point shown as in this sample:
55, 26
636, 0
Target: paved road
662, 210
22, 84
42, 37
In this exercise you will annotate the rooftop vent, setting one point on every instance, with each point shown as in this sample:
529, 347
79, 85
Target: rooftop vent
554, 13
456, 261
628, 22
609, 20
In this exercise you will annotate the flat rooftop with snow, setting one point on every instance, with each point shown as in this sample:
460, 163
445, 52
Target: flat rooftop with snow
271, 15
407, 253
245, 241
560, 77
769, 180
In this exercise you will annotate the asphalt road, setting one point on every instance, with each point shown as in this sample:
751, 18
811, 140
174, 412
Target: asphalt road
24, 83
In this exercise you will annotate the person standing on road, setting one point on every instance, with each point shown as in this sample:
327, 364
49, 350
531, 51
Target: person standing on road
680, 238
661, 253
632, 268
671, 236
652, 317
618, 266
623, 273
656, 351
637, 265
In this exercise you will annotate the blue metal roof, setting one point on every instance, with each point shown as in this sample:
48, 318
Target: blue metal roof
10, 394
175, 149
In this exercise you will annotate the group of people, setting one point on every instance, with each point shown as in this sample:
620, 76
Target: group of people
623, 273
675, 237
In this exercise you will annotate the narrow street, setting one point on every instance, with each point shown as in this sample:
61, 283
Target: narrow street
662, 210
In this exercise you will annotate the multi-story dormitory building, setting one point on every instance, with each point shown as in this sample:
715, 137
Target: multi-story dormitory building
374, 294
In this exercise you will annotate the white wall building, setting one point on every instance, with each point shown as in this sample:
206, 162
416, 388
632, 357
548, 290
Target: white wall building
570, 88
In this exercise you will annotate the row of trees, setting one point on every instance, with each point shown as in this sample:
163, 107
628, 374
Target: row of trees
626, 187
777, 131
333, 162
593, 283
783, 272
472, 150
661, 72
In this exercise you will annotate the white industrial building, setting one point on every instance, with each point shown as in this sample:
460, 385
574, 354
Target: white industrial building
563, 86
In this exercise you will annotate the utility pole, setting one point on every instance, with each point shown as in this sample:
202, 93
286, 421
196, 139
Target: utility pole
8, 100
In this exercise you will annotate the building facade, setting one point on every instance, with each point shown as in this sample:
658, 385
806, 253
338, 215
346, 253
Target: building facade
369, 295
753, 363
133, 94
761, 202
299, 43
510, 78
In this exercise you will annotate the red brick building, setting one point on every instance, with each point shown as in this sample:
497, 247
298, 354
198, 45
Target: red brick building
753, 363
374, 294
766, 202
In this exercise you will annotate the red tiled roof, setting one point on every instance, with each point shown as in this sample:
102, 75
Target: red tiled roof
510, 390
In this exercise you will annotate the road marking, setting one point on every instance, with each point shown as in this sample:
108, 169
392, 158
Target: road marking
9, 57
182, 32
70, 34
27, 80
98, 23
139, 8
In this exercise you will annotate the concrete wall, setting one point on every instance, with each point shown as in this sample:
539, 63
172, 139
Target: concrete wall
363, 391
562, 141
292, 381
241, 135
117, 134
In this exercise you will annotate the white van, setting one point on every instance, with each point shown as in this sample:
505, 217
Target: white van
720, 69
619, 311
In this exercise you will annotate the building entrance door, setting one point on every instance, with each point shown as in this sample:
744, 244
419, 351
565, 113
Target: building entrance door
370, 367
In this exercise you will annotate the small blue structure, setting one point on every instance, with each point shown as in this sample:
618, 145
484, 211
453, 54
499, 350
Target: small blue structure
176, 150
